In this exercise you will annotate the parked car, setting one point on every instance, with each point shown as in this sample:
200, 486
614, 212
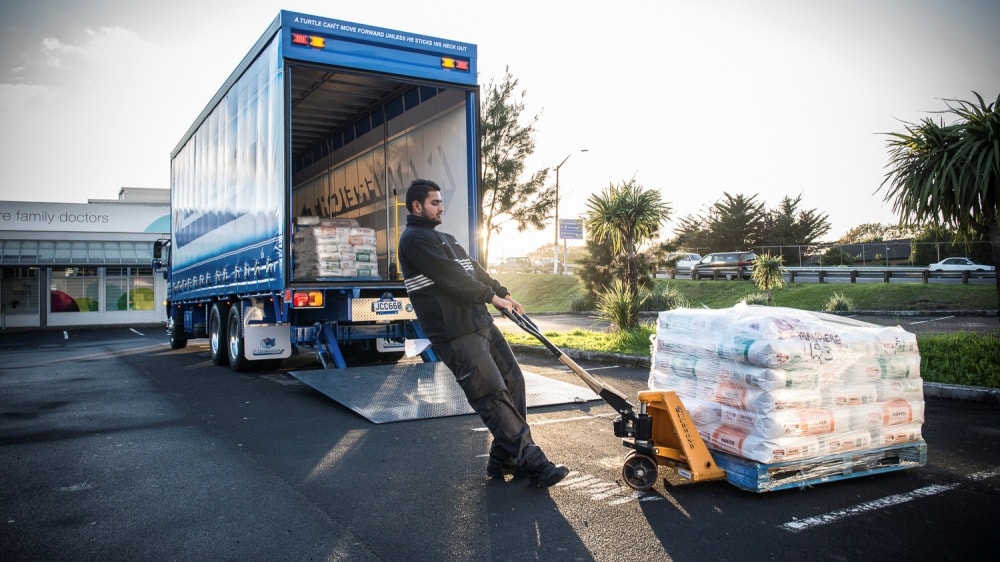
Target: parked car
542, 265
727, 265
959, 264
684, 260
513, 265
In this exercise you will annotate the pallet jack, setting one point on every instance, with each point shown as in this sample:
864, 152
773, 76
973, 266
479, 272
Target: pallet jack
662, 433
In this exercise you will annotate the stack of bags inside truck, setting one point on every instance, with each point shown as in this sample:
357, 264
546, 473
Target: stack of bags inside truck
773, 384
328, 247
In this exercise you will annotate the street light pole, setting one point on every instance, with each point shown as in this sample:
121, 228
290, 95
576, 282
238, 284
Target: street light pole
555, 241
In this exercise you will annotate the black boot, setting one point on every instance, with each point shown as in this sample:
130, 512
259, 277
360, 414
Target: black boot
548, 475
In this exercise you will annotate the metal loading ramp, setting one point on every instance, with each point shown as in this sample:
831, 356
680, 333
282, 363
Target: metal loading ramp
415, 391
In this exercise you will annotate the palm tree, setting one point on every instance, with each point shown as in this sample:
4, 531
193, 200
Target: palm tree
949, 175
767, 274
625, 216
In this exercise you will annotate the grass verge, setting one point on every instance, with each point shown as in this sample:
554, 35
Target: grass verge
556, 293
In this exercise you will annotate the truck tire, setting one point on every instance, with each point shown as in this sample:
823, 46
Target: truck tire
234, 339
176, 337
217, 338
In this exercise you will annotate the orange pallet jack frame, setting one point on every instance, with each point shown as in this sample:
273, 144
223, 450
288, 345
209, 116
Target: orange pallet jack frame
660, 434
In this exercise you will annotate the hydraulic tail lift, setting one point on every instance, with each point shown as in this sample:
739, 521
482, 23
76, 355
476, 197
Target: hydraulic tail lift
662, 433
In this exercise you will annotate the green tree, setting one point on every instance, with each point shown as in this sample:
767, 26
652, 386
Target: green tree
767, 274
506, 143
620, 304
874, 232
625, 216
731, 223
737, 222
931, 245
836, 256
598, 267
949, 174
692, 234
788, 227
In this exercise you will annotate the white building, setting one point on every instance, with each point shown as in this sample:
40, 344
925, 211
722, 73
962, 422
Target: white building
74, 264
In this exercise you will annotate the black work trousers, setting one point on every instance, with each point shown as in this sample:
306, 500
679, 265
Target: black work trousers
485, 368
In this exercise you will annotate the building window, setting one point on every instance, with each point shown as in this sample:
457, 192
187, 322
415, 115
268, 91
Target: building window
75, 289
19, 290
129, 288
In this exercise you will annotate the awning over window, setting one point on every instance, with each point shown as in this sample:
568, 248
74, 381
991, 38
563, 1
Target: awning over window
64, 252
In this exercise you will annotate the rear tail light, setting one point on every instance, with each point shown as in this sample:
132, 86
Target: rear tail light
307, 299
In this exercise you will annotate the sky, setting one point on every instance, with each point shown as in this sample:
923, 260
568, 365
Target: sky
771, 98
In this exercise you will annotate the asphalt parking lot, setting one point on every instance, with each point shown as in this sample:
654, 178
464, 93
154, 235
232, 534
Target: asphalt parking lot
115, 447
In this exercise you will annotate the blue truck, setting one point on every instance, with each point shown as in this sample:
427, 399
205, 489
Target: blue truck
287, 192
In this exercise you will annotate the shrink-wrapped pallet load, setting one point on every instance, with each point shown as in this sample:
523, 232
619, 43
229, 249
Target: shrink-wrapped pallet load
773, 384
326, 247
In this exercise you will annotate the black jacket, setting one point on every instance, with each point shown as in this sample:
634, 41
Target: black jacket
448, 289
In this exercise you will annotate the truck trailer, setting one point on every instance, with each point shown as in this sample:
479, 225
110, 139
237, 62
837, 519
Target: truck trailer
287, 192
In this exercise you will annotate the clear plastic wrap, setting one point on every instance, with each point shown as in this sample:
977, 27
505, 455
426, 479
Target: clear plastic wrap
329, 247
774, 384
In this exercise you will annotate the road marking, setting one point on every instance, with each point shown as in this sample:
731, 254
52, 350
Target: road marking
802, 524
598, 489
798, 525
931, 320
78, 487
604, 491
976, 476
137, 331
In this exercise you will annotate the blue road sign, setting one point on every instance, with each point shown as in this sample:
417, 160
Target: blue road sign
571, 229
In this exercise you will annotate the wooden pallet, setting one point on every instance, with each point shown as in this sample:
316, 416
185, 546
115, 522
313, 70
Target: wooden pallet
759, 477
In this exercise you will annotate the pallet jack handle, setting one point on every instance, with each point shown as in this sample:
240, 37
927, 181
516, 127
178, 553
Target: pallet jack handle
611, 395
673, 441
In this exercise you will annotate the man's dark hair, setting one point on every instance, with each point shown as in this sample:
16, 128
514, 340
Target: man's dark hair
418, 191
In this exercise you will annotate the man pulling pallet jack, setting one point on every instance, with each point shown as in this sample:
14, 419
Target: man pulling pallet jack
449, 292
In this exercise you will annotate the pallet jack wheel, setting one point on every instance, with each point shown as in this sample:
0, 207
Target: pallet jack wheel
639, 471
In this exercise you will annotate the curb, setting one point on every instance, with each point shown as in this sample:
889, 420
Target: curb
965, 393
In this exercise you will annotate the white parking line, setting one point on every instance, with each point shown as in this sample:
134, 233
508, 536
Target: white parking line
976, 476
931, 320
798, 525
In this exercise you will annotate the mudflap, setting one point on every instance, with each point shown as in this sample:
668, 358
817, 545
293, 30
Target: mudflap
267, 341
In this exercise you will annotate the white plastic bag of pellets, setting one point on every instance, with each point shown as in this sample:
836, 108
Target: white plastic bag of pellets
790, 384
